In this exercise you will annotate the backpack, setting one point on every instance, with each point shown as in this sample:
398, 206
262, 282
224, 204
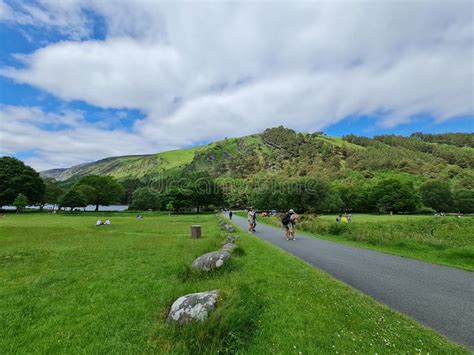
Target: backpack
286, 219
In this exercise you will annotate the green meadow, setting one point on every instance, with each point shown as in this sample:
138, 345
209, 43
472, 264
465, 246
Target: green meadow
67, 286
447, 240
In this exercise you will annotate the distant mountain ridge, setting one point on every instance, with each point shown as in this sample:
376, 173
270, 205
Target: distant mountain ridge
284, 152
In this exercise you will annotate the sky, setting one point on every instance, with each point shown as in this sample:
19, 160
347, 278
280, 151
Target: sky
82, 80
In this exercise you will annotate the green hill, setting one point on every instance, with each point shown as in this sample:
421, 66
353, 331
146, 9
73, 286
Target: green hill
284, 152
137, 166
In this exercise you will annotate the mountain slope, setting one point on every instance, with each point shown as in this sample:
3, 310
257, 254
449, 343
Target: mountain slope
284, 152
137, 166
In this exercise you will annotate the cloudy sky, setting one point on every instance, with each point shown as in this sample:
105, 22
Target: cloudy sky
82, 80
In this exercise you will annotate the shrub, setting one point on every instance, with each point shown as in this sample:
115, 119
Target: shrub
20, 202
425, 210
338, 228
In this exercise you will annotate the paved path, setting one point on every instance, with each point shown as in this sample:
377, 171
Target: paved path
440, 297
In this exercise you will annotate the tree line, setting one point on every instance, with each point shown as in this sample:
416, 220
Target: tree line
306, 194
382, 196
20, 185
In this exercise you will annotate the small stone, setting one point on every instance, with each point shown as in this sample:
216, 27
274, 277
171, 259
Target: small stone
229, 228
212, 260
230, 239
194, 306
229, 247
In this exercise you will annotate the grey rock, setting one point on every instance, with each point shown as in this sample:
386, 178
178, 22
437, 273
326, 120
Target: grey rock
230, 239
229, 228
212, 260
229, 247
193, 307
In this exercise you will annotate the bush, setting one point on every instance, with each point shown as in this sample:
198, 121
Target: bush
338, 228
425, 210
20, 202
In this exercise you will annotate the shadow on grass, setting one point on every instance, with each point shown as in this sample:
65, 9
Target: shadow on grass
238, 251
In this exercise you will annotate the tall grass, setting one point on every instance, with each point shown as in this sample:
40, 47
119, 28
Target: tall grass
446, 240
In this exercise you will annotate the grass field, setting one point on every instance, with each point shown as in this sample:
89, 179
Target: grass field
69, 287
442, 240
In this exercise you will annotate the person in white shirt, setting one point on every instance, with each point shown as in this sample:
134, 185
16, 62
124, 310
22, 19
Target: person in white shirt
99, 223
250, 219
107, 222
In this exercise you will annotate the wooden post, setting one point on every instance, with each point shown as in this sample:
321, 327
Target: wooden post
196, 231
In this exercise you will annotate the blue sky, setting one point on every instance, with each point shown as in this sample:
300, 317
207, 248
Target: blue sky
83, 80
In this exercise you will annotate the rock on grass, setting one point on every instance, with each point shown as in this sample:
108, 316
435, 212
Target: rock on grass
229, 247
193, 307
229, 228
230, 239
212, 260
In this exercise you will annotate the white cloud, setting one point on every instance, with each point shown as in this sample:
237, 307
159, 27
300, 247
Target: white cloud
73, 141
208, 70
117, 73
65, 17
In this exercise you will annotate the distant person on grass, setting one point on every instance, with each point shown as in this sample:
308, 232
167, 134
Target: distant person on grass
230, 215
289, 221
107, 222
99, 222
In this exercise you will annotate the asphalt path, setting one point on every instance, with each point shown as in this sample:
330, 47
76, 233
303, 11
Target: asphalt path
439, 297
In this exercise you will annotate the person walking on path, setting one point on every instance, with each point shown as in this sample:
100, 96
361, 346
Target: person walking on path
254, 222
289, 220
230, 215
250, 219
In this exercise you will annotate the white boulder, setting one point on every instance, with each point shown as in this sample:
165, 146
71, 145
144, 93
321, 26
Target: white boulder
193, 307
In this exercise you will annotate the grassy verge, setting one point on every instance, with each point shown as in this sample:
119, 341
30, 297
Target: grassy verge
442, 240
67, 286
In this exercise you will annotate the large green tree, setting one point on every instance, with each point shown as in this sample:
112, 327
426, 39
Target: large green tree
206, 192
145, 198
196, 190
395, 196
437, 195
353, 197
130, 185
16, 178
106, 190
303, 194
179, 197
269, 195
464, 200
53, 192
73, 198
309, 194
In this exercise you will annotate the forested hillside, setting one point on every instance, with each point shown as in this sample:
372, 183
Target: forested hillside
282, 151
274, 169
